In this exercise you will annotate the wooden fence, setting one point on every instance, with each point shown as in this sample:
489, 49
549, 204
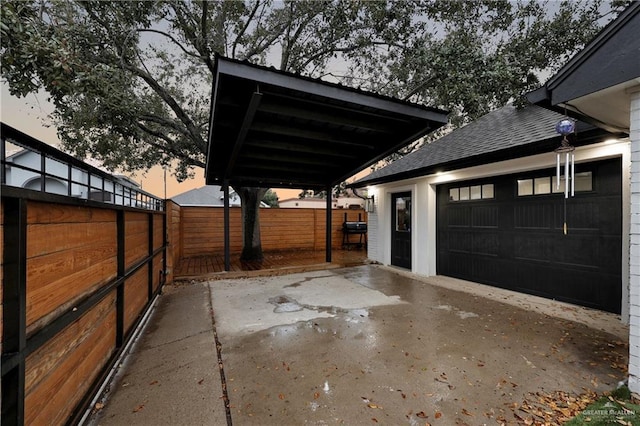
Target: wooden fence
202, 229
77, 276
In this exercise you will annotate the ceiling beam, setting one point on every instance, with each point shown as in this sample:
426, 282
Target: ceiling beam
273, 145
316, 136
256, 97
335, 113
310, 159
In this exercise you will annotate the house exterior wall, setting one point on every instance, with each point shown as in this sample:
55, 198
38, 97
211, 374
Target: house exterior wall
634, 258
424, 208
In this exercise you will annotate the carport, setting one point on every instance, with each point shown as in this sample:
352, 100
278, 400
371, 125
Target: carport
273, 129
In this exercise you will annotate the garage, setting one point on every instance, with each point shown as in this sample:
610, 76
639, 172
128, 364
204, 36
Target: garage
508, 232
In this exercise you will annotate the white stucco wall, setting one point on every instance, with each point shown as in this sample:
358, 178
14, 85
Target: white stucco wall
634, 257
424, 208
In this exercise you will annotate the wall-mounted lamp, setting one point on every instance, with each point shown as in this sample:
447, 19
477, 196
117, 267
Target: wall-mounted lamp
370, 204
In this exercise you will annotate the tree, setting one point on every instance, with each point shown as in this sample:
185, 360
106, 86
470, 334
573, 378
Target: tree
131, 80
271, 198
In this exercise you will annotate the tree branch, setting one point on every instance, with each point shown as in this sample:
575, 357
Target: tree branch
244, 29
168, 149
171, 102
346, 49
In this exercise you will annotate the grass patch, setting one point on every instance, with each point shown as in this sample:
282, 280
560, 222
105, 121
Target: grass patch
614, 409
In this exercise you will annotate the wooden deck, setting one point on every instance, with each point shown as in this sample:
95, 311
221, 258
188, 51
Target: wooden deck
274, 263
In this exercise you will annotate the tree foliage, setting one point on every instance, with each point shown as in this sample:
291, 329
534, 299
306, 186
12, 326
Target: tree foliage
271, 198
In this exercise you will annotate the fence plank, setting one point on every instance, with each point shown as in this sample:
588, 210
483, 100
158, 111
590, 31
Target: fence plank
135, 296
61, 372
280, 229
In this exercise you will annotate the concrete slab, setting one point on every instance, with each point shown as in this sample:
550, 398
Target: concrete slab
361, 345
422, 352
172, 376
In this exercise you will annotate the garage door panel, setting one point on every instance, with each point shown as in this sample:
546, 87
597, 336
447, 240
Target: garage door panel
486, 244
461, 265
531, 246
571, 286
518, 242
489, 269
532, 215
484, 217
460, 241
458, 216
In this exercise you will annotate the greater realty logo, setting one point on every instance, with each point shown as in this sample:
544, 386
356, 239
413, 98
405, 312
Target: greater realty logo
610, 409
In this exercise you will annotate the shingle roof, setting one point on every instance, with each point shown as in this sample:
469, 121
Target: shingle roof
502, 134
208, 195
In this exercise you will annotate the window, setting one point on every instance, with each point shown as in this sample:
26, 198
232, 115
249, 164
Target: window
475, 192
403, 214
542, 185
549, 184
525, 187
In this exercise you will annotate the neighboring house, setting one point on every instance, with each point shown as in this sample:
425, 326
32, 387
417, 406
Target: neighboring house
27, 169
208, 196
482, 204
321, 203
601, 84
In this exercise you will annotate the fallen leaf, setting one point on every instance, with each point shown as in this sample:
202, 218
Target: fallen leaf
422, 415
466, 413
438, 414
155, 382
316, 395
138, 408
281, 396
99, 406
373, 419
200, 381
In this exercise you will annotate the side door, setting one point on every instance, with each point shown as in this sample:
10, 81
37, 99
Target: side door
401, 229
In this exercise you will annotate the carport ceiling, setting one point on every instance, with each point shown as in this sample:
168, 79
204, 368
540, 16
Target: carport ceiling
274, 129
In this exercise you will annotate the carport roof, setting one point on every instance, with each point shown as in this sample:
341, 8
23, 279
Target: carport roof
270, 128
503, 134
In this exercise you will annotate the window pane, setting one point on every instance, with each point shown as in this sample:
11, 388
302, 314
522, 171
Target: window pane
525, 187
454, 194
487, 191
554, 184
542, 185
584, 181
403, 214
476, 192
464, 193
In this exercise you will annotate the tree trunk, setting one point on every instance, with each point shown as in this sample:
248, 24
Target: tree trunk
250, 198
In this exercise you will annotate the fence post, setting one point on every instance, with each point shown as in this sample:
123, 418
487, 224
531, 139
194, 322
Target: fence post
14, 310
328, 230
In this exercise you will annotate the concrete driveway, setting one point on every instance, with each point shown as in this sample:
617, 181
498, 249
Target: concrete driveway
369, 345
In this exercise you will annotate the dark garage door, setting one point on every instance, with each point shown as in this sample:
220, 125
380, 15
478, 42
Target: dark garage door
507, 231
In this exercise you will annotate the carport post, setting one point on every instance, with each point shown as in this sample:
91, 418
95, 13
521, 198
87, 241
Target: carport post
227, 255
328, 230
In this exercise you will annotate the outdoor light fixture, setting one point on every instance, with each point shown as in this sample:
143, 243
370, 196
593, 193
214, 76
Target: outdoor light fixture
370, 204
565, 152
